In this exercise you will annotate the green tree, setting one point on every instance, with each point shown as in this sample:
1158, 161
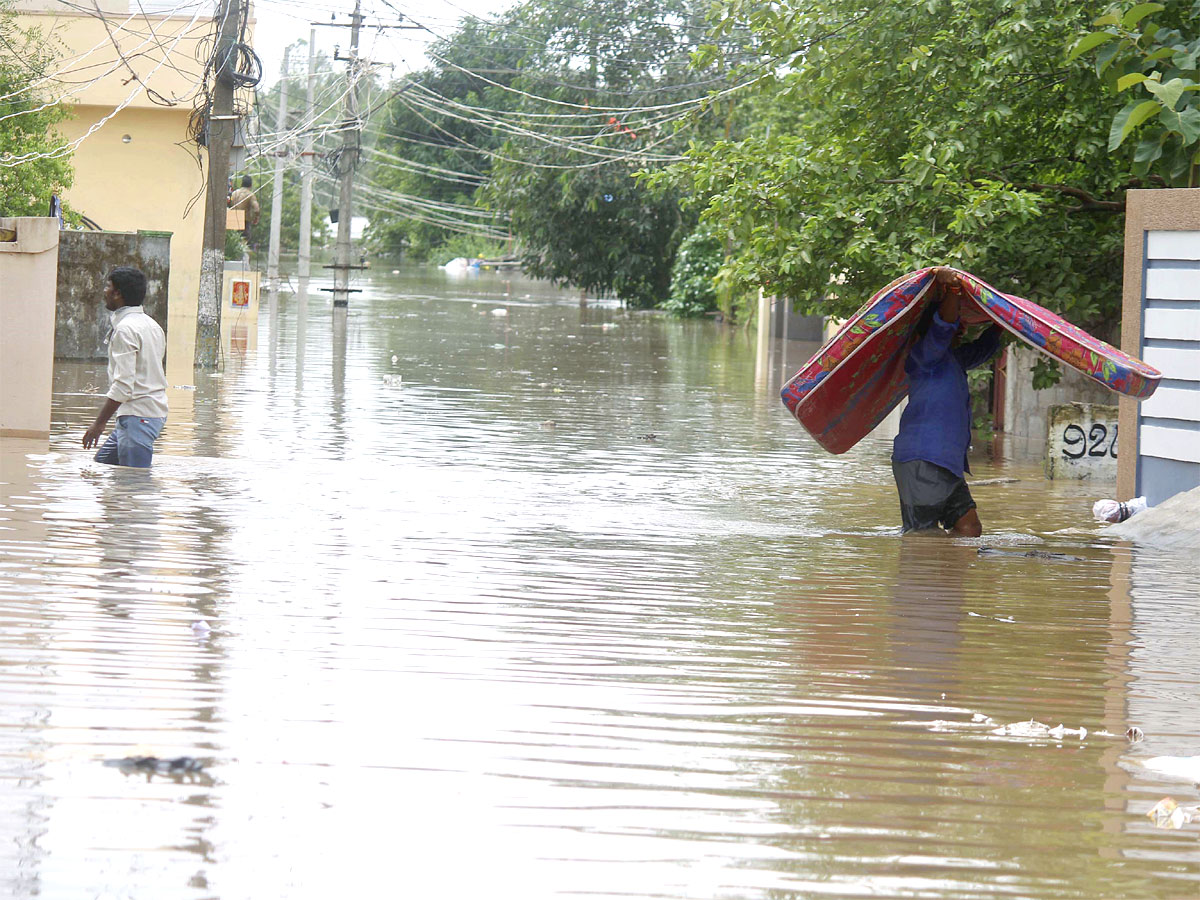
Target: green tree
902, 135
432, 157
33, 162
1150, 51
578, 212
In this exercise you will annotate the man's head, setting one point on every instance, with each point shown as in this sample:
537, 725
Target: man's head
125, 286
246, 181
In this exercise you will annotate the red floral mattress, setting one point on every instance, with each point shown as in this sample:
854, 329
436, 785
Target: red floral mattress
857, 378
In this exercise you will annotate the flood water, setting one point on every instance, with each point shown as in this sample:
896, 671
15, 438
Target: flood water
561, 603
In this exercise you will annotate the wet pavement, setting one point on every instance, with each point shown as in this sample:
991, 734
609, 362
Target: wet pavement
559, 602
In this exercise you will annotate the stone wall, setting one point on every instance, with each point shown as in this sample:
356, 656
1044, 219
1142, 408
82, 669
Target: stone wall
84, 259
1026, 411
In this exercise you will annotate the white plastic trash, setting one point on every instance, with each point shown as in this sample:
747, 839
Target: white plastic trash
1116, 511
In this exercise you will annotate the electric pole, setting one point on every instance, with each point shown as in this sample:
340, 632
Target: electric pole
351, 127
281, 153
306, 166
347, 161
221, 122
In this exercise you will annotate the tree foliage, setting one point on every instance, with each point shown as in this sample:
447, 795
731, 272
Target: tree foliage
694, 275
444, 157
27, 179
1149, 52
945, 131
582, 221
576, 213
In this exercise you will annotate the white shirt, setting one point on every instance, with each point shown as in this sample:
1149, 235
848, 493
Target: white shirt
135, 364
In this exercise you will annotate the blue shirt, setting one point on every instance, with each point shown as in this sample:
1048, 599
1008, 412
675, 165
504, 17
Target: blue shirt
936, 424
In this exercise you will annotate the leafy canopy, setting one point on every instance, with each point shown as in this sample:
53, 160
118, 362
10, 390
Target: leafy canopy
897, 135
31, 167
1149, 52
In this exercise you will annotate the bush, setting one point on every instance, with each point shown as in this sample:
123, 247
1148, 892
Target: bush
693, 284
235, 245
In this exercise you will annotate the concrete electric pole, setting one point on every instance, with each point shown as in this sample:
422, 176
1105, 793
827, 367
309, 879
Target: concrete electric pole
347, 161
306, 166
221, 126
281, 153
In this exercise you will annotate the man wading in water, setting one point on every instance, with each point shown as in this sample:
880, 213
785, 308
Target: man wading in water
929, 455
137, 391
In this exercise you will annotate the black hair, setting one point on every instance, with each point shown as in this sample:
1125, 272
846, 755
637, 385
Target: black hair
130, 283
247, 181
926, 319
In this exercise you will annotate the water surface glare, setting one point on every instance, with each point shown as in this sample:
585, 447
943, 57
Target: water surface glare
561, 603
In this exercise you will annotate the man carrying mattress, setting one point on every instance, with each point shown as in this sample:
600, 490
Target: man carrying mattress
929, 455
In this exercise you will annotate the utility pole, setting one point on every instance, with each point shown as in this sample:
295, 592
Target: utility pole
277, 182
347, 161
351, 126
306, 166
220, 138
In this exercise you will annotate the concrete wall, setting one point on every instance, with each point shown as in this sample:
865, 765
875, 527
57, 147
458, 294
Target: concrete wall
28, 278
798, 327
1082, 442
1026, 411
84, 259
1161, 324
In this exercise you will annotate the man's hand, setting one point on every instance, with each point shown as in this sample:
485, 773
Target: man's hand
91, 437
947, 281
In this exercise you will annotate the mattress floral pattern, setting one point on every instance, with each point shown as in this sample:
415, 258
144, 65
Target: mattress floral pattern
857, 377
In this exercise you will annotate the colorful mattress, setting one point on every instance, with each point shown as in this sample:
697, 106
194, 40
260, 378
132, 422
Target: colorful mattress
857, 377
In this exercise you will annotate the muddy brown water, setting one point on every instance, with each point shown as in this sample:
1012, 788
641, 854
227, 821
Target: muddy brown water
561, 603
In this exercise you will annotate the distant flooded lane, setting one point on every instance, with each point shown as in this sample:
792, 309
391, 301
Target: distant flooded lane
509, 598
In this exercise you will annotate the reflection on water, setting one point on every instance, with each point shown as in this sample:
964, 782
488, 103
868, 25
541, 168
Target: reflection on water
554, 603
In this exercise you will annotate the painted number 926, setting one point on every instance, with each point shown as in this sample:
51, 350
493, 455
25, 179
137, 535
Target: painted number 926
1094, 442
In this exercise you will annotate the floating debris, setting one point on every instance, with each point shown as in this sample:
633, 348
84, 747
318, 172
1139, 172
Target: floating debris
500, 312
1166, 813
1135, 734
1033, 554
395, 359
180, 765
985, 481
1008, 620
200, 628
1032, 729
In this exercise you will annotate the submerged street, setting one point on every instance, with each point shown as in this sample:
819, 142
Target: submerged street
509, 598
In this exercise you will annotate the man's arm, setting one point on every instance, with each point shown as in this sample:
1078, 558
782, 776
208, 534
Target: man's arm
981, 349
91, 437
123, 354
942, 327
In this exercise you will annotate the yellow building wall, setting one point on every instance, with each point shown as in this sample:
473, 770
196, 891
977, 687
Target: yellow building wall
147, 182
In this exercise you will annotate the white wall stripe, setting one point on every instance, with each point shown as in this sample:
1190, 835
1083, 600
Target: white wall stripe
1170, 443
1173, 245
1175, 362
1173, 403
1173, 284
1172, 324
